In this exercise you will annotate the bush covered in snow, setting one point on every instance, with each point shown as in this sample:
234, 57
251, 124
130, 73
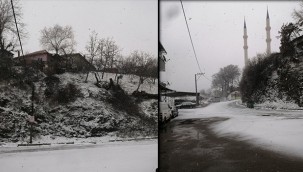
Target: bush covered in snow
272, 78
278, 76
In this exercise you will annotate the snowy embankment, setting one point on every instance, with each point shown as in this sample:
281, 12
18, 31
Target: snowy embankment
126, 156
277, 130
68, 109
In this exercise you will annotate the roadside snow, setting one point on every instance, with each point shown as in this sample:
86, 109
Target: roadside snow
127, 156
278, 104
129, 83
277, 130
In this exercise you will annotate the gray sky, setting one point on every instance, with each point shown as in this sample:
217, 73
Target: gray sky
217, 32
133, 24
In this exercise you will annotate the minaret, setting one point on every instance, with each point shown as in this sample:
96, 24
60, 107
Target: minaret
245, 44
268, 40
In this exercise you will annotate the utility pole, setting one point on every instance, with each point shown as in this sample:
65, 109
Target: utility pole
197, 101
32, 118
197, 96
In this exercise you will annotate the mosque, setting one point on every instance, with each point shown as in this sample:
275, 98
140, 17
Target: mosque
268, 40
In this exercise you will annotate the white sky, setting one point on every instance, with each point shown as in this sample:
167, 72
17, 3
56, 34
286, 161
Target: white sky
217, 32
133, 24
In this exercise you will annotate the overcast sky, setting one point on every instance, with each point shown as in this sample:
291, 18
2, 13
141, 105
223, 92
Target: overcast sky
133, 24
217, 32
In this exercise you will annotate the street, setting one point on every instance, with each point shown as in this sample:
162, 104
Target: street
122, 156
210, 139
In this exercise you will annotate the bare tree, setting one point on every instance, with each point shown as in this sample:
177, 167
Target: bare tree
9, 35
108, 52
100, 58
93, 49
58, 39
103, 53
153, 69
8, 31
141, 64
298, 14
93, 46
226, 79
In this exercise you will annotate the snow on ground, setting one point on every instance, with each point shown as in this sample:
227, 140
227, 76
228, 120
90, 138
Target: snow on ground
127, 156
278, 104
150, 107
129, 83
277, 130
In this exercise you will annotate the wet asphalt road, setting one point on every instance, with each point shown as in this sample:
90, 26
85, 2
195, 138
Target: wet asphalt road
190, 146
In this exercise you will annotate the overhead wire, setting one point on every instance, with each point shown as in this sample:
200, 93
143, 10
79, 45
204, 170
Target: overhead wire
192, 44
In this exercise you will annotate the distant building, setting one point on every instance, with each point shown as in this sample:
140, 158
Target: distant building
234, 95
42, 56
42, 60
77, 63
55, 63
268, 39
165, 94
181, 96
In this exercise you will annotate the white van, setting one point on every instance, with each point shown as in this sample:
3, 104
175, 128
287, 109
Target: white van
165, 112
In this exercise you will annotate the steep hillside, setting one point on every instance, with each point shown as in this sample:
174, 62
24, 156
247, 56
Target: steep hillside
66, 106
275, 81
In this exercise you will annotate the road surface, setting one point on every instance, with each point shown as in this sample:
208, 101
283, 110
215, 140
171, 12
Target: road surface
123, 156
211, 139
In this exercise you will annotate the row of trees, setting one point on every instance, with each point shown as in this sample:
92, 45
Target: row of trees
141, 64
103, 53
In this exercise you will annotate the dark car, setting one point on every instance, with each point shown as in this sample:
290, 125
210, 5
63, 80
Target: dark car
185, 105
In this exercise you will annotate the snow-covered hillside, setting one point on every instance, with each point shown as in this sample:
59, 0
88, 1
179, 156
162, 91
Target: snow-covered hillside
66, 106
274, 81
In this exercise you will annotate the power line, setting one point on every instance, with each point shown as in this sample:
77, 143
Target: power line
190, 37
203, 74
207, 78
191, 40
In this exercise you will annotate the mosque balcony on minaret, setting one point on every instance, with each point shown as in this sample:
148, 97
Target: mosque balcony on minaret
245, 36
245, 47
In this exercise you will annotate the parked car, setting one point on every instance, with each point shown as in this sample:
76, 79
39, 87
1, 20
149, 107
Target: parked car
215, 99
165, 112
186, 105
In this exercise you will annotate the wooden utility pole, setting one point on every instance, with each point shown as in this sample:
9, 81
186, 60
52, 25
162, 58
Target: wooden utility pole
197, 96
31, 121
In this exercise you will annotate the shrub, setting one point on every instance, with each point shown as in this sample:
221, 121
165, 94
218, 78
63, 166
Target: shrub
68, 94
